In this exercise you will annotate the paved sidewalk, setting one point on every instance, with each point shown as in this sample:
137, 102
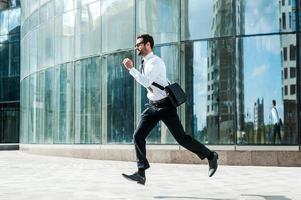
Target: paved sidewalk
33, 177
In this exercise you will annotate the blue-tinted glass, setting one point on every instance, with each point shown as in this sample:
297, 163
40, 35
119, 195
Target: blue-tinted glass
120, 99
14, 21
267, 78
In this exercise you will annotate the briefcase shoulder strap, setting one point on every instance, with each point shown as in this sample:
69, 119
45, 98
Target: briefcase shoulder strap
158, 86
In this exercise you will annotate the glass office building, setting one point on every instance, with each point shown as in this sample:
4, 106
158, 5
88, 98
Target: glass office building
232, 57
10, 14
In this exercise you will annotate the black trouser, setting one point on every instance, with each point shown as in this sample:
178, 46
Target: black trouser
168, 114
276, 131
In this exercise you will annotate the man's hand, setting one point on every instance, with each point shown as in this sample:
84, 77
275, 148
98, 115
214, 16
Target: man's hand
128, 63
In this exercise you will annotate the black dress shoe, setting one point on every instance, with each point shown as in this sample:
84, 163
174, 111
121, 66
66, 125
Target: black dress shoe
213, 164
135, 177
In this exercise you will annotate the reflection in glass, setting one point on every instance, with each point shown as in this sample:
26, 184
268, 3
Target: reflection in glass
50, 105
264, 81
159, 19
119, 101
87, 30
4, 22
210, 82
117, 24
87, 101
196, 19
65, 108
64, 37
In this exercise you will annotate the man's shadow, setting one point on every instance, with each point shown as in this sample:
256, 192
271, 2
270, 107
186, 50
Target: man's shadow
183, 197
265, 197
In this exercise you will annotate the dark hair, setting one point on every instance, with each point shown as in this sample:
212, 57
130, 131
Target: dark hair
274, 102
147, 38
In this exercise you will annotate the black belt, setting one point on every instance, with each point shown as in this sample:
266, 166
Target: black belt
161, 103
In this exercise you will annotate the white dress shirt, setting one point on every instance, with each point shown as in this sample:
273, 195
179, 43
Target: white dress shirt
275, 115
154, 71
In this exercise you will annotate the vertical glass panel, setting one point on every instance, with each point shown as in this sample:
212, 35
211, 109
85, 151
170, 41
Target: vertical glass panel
32, 115
4, 59
25, 55
64, 37
117, 24
159, 18
87, 101
14, 59
46, 44
210, 81
14, 21
63, 6
46, 11
65, 133
33, 5
33, 51
9, 124
24, 100
269, 77
4, 22
267, 16
196, 19
87, 30
50, 105
118, 101
39, 107
33, 20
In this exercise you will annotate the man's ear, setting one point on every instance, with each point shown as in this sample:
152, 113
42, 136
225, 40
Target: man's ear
148, 44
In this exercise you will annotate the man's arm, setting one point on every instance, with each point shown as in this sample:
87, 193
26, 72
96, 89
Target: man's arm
144, 80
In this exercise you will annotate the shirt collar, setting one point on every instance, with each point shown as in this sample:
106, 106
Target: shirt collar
148, 56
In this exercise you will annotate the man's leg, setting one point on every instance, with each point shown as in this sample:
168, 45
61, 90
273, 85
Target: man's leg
147, 123
274, 133
279, 133
172, 121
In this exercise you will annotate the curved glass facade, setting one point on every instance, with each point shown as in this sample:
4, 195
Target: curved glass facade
233, 57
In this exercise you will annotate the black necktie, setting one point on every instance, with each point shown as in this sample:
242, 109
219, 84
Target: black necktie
142, 66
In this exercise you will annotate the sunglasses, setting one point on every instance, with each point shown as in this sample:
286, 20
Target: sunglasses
138, 44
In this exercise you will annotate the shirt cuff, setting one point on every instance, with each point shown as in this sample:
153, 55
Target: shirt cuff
134, 72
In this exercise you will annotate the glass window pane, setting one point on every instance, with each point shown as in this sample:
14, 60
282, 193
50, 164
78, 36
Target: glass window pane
4, 22
50, 105
65, 133
14, 21
196, 19
266, 70
117, 24
46, 45
87, 101
210, 113
64, 37
4, 55
119, 98
267, 16
33, 51
24, 110
159, 19
14, 59
87, 30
